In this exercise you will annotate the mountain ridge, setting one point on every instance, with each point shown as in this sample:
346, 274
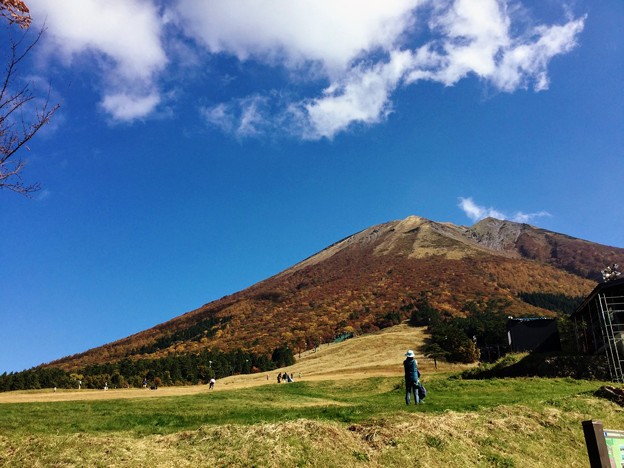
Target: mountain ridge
372, 278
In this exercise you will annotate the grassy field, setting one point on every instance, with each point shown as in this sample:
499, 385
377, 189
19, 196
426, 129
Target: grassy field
323, 421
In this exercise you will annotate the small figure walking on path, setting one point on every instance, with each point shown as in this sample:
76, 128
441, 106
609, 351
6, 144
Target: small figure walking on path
412, 377
212, 382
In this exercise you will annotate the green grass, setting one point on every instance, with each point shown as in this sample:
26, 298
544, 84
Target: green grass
526, 422
342, 401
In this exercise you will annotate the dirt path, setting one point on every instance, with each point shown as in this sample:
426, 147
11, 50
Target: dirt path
378, 354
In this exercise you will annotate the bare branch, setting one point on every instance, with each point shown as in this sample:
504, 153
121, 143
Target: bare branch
17, 55
20, 115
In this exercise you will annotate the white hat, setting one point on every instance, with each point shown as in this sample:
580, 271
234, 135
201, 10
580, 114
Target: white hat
410, 353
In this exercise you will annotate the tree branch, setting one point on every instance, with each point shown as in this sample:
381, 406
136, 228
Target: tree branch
20, 120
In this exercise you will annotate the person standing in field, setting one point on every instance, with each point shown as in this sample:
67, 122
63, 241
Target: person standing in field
412, 377
212, 383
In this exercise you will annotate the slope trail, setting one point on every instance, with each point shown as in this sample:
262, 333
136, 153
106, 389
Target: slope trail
377, 354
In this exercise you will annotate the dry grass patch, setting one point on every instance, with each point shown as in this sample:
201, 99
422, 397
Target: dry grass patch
510, 436
376, 354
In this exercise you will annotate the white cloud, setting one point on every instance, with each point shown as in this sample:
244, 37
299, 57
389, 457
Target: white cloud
364, 69
362, 97
295, 33
346, 58
477, 213
474, 37
123, 36
471, 33
521, 217
126, 107
524, 62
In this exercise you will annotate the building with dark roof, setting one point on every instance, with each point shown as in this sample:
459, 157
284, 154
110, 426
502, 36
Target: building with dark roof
539, 335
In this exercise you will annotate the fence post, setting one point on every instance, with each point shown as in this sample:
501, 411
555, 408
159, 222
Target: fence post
596, 445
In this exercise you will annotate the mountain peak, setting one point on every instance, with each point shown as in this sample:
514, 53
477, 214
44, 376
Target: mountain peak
498, 234
372, 278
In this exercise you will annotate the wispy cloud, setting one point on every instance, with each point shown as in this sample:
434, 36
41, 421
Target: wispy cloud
43, 195
244, 117
349, 56
477, 212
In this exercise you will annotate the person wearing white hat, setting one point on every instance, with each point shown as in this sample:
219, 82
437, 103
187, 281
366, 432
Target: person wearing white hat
412, 377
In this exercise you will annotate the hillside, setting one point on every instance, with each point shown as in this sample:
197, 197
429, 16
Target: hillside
372, 280
377, 354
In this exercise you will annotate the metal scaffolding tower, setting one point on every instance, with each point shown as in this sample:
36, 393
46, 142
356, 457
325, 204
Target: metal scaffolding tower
612, 321
599, 325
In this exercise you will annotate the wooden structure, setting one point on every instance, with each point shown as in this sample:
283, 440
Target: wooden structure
599, 325
539, 335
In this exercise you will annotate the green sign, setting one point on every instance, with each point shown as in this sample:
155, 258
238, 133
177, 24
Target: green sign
615, 447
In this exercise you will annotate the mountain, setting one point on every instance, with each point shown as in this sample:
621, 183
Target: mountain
372, 279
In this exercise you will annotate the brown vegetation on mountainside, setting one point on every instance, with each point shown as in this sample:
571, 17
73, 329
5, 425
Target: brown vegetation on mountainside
373, 279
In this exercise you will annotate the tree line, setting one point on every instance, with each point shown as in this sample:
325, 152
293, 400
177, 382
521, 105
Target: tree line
551, 301
174, 369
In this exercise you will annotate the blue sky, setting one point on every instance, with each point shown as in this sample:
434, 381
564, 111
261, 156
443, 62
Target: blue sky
201, 147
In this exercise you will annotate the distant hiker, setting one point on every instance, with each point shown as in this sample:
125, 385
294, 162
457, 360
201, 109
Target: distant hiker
412, 377
212, 382
144, 383
279, 378
285, 377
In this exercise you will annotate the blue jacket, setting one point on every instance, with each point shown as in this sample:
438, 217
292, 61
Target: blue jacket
411, 371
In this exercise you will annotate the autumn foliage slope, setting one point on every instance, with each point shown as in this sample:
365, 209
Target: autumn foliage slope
373, 279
